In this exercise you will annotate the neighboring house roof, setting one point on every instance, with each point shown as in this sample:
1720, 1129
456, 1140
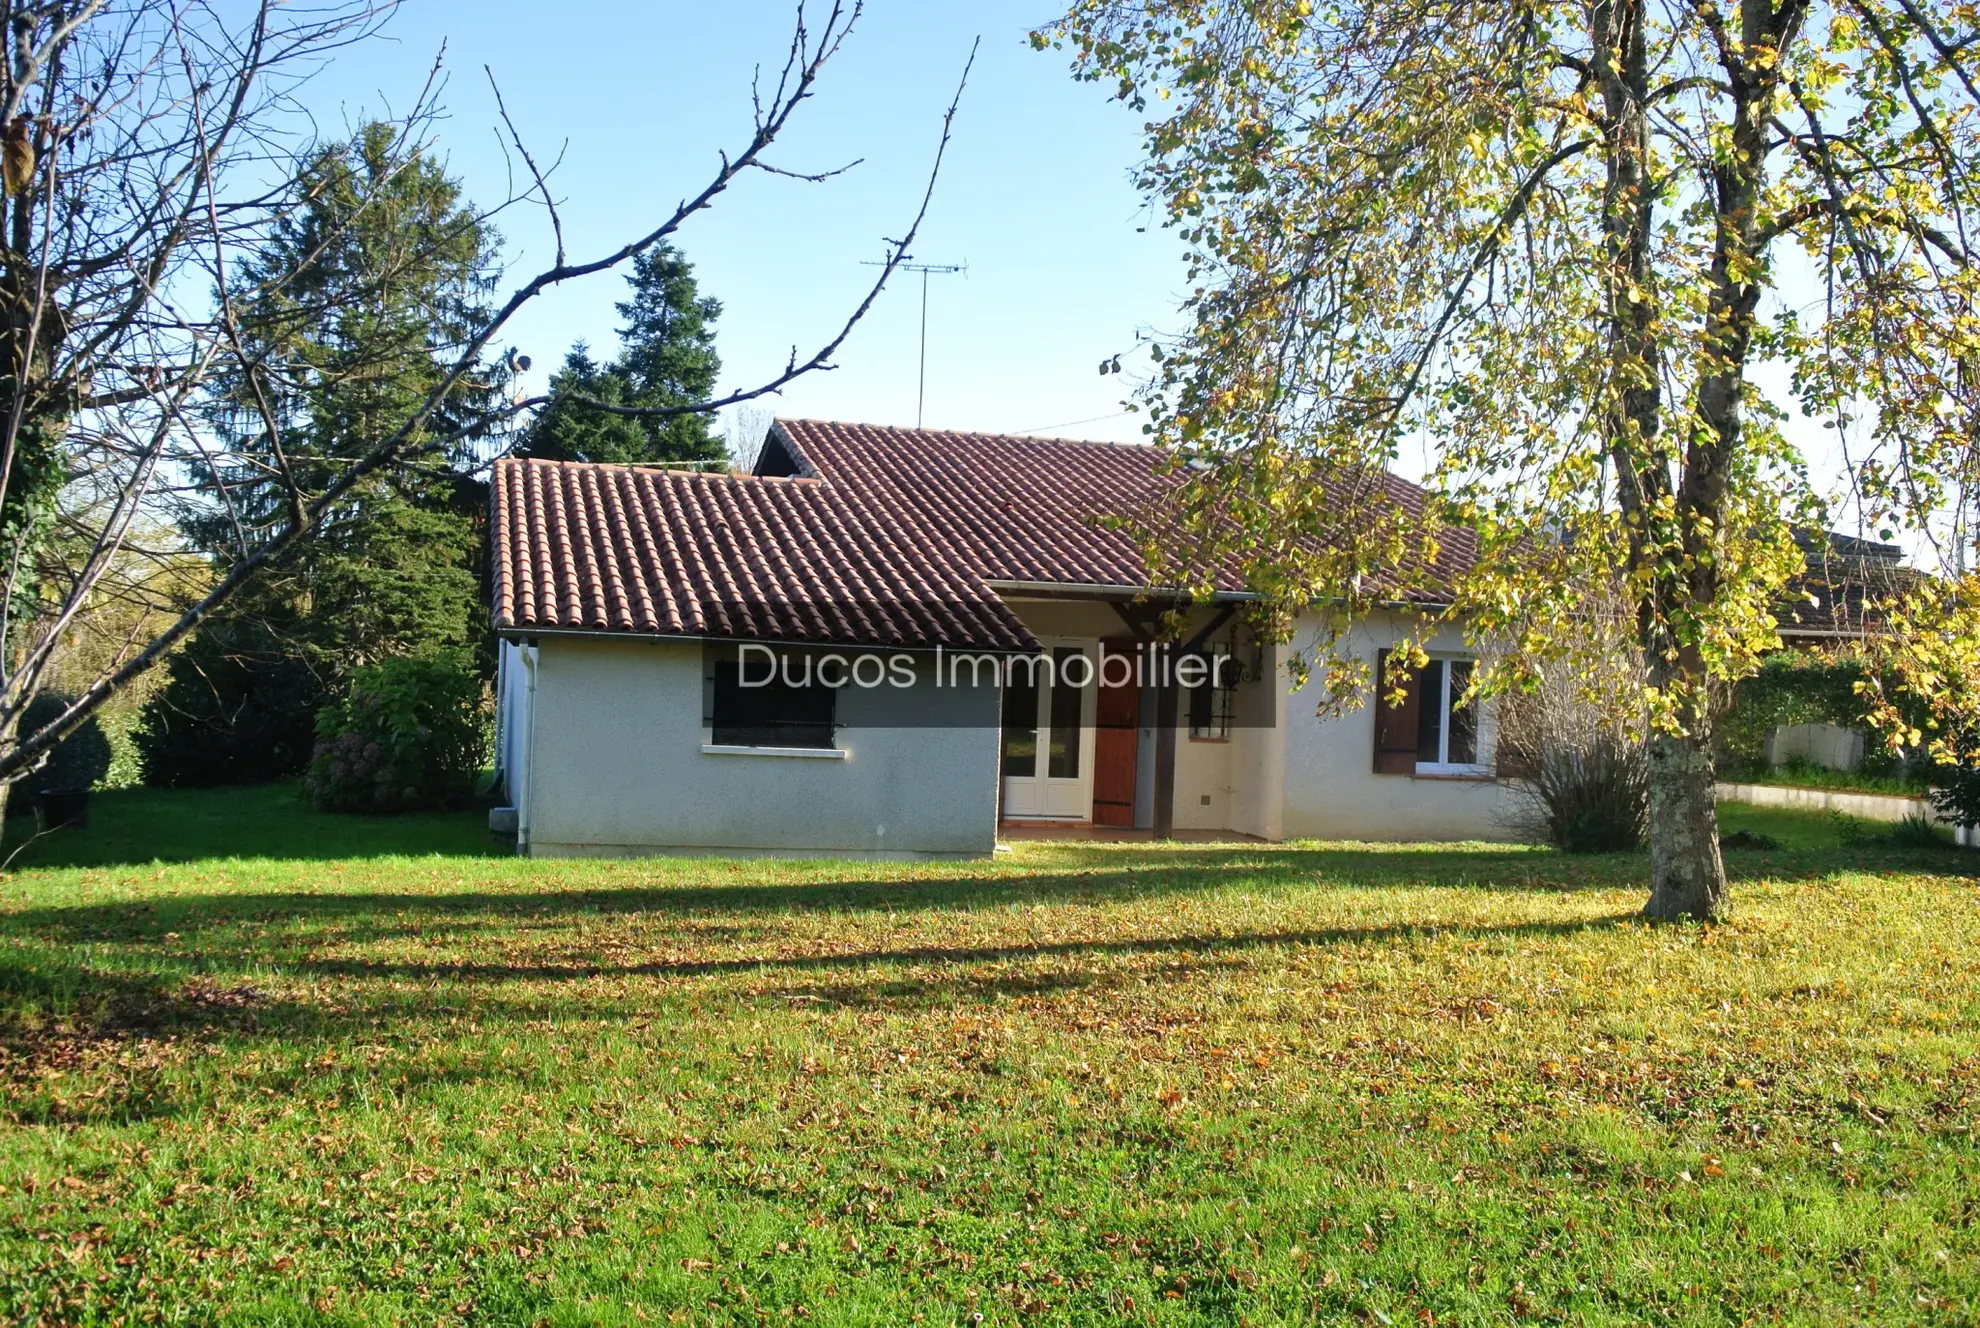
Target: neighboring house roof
1845, 590
641, 551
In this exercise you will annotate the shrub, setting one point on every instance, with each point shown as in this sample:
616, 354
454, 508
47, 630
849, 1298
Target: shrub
1582, 773
1914, 831
1919, 831
80, 760
1795, 687
1956, 792
238, 707
411, 734
1588, 797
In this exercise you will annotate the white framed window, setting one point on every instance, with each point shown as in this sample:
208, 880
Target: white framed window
1447, 724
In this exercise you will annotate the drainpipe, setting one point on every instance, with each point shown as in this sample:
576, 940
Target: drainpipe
523, 804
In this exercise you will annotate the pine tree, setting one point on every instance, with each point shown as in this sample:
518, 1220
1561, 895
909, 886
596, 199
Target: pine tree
667, 359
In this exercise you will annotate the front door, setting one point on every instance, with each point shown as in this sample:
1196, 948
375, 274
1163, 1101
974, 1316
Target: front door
1048, 734
1116, 734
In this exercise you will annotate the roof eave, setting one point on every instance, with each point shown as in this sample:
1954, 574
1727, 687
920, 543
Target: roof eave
514, 632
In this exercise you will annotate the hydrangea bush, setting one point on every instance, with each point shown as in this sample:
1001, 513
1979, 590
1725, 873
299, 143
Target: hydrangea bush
410, 734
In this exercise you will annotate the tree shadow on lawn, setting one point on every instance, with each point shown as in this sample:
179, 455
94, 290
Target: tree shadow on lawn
272, 929
47, 997
964, 956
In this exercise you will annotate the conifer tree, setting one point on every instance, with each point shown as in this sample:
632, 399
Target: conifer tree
375, 279
667, 359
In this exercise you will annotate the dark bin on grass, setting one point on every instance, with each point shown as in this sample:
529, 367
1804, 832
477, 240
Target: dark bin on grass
57, 808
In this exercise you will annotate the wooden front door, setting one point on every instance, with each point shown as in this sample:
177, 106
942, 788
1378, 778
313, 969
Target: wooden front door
1117, 735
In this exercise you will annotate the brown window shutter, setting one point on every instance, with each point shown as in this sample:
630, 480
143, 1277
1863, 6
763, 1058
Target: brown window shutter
1395, 725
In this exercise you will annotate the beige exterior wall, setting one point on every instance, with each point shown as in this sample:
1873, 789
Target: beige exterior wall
612, 761
1258, 754
1331, 790
616, 766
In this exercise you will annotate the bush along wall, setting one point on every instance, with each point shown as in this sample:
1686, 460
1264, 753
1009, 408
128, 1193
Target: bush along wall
1793, 687
410, 734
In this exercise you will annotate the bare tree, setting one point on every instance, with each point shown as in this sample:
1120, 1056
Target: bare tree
141, 138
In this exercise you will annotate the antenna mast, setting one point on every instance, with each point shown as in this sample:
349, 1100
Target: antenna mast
926, 270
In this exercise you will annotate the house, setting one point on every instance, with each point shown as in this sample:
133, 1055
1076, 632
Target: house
1844, 590
891, 642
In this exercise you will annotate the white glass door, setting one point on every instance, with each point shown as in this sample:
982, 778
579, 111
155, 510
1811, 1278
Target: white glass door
1048, 733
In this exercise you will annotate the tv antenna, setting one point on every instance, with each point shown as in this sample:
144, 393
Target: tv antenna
926, 270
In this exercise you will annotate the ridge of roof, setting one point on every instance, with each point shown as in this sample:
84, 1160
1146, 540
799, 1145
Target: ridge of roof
1058, 440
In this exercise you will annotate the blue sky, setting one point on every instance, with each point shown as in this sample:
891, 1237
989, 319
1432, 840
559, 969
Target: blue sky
1035, 197
1066, 266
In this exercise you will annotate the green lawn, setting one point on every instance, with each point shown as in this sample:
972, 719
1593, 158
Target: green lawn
372, 1071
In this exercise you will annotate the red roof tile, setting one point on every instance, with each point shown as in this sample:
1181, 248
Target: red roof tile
594, 548
881, 536
1020, 509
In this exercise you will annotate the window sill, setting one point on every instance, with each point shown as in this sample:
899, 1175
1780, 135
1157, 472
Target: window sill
1194, 738
1459, 775
803, 753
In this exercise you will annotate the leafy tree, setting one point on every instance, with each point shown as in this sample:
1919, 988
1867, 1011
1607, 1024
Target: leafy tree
667, 359
1556, 238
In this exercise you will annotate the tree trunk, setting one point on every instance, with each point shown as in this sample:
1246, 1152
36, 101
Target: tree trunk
9, 731
1687, 877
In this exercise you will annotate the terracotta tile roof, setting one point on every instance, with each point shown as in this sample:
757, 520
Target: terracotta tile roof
1020, 509
848, 534
595, 548
1011, 509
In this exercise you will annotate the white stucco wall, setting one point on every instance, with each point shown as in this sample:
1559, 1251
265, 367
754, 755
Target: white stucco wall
618, 766
1258, 753
1331, 789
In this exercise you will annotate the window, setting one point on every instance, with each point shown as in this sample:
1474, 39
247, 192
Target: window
1446, 728
778, 713
1211, 702
1430, 731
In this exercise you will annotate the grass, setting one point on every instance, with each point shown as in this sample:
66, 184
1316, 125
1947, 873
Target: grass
1803, 773
344, 1081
